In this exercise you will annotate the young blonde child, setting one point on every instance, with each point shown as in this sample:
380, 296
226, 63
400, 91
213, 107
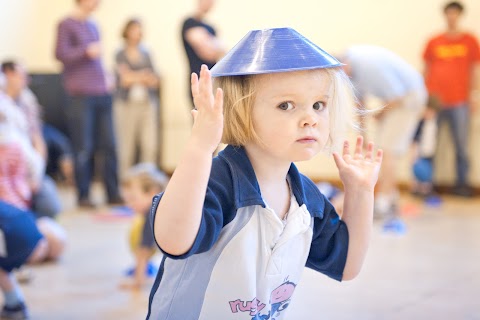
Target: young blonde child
237, 230
139, 185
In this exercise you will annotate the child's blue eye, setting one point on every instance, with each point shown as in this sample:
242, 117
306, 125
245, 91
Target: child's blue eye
286, 105
319, 105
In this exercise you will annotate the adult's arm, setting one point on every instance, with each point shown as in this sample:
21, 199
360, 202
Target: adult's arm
65, 50
206, 46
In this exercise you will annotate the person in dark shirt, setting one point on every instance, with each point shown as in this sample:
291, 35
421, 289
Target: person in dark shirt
202, 46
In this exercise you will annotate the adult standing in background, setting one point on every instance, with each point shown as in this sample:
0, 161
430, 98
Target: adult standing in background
90, 118
200, 40
136, 100
452, 76
378, 72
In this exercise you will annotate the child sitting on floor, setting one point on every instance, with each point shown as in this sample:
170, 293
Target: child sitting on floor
139, 185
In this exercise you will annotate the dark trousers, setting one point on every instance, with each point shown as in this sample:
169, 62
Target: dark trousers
458, 122
90, 122
59, 147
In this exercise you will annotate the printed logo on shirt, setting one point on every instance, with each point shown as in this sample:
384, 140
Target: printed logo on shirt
451, 51
279, 301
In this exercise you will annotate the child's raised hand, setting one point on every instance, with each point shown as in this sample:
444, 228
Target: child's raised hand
359, 170
208, 112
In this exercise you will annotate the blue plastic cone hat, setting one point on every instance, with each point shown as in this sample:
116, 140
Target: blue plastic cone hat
273, 50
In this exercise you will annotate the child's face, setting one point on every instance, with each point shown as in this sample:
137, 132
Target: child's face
136, 198
291, 113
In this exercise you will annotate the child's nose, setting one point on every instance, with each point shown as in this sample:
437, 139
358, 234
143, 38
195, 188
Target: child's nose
309, 118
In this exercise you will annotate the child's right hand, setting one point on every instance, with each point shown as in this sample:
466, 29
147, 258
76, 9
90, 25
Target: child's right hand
208, 113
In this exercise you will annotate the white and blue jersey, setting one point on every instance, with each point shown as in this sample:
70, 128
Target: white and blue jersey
245, 262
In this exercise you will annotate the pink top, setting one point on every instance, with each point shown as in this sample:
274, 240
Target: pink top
14, 186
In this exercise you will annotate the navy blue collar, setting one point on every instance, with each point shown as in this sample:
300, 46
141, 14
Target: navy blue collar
247, 191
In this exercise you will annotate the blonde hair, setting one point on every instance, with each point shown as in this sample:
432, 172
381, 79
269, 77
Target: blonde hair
239, 96
148, 176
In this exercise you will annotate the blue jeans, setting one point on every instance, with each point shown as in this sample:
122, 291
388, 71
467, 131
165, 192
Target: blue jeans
59, 147
90, 122
458, 120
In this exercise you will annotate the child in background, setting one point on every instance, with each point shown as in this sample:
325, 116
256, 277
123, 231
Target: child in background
424, 146
237, 230
139, 185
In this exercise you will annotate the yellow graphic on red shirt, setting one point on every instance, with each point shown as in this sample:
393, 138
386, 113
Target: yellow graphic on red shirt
451, 51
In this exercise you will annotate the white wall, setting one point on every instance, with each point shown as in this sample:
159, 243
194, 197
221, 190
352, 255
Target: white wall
28, 33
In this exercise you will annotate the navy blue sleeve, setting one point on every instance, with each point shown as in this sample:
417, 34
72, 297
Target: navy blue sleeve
218, 209
328, 252
190, 23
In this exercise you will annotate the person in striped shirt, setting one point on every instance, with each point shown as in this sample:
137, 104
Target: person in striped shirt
89, 115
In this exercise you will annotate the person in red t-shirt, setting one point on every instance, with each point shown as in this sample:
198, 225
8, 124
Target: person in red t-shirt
451, 75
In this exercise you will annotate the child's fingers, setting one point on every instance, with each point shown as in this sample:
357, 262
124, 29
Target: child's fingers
369, 154
194, 84
205, 81
339, 162
194, 114
359, 147
346, 148
379, 156
218, 104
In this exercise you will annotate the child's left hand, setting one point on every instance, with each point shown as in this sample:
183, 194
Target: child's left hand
359, 171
